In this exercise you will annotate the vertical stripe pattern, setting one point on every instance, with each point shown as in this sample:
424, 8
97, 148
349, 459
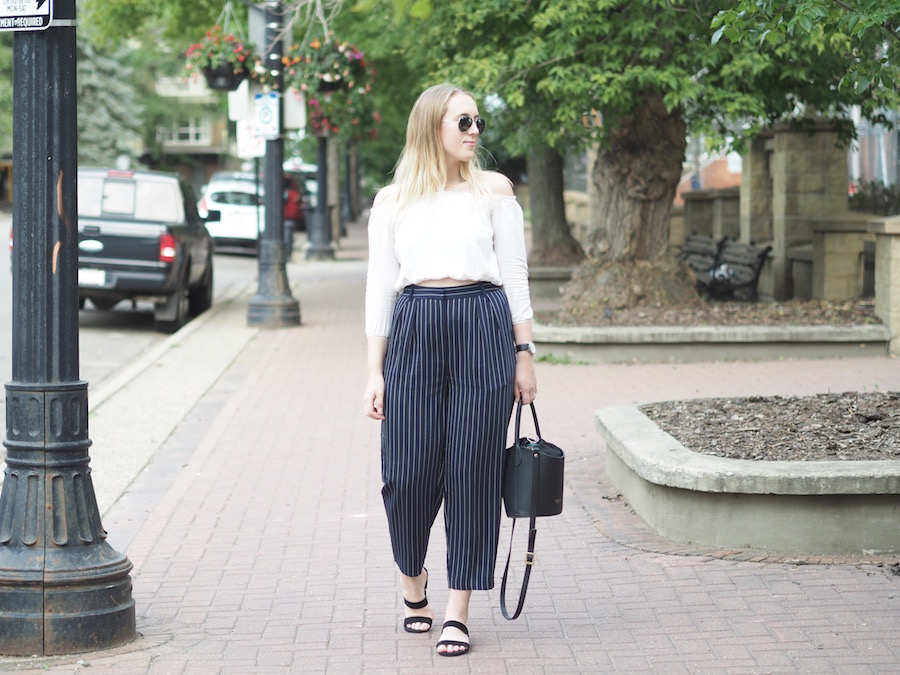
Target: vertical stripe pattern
449, 387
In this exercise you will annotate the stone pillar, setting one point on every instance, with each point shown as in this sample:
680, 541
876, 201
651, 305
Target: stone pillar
698, 212
887, 276
726, 213
809, 180
756, 191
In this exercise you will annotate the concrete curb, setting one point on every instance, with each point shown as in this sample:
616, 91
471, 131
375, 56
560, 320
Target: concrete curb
709, 334
792, 507
661, 344
657, 457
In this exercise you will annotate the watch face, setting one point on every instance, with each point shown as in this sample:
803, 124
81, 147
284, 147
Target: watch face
527, 347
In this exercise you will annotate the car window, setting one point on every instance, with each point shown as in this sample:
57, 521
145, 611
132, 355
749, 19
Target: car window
90, 196
157, 200
234, 198
141, 200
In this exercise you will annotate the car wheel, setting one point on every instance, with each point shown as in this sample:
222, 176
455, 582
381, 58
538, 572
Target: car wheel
200, 298
174, 310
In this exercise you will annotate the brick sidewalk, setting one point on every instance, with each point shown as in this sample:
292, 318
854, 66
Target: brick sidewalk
267, 551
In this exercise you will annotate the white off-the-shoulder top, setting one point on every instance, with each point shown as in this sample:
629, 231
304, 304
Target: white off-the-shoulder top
456, 235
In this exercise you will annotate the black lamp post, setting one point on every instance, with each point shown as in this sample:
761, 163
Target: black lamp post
273, 306
320, 247
63, 589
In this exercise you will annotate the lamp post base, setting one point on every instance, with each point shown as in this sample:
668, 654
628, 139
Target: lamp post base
320, 252
63, 588
319, 246
273, 306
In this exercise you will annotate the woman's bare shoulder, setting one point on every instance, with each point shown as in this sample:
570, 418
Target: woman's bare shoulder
386, 195
497, 184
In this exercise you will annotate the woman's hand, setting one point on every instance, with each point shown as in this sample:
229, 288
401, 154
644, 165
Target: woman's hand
526, 380
373, 398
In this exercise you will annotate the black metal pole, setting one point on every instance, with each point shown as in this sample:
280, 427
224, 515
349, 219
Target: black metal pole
320, 247
63, 589
273, 306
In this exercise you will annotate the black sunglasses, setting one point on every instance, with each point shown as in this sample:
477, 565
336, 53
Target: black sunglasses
465, 123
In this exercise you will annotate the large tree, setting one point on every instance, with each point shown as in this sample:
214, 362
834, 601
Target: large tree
634, 77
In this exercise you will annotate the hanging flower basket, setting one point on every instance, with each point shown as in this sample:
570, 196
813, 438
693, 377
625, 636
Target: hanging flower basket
222, 58
336, 81
336, 85
224, 77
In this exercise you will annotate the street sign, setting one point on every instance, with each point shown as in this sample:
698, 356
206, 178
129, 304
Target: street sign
22, 15
249, 145
268, 115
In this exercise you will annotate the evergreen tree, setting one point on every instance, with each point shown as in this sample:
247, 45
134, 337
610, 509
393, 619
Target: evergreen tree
108, 112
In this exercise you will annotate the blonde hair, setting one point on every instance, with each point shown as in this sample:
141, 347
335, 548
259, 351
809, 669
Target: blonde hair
422, 168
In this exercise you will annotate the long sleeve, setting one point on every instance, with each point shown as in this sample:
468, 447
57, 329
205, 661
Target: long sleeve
509, 245
383, 272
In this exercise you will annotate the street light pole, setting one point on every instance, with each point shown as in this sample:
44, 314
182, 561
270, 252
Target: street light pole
320, 246
273, 306
63, 589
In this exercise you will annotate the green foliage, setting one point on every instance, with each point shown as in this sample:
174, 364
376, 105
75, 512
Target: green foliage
6, 90
555, 68
858, 41
108, 113
416, 9
400, 75
177, 23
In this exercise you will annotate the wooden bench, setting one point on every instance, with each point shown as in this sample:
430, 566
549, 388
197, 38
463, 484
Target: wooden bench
727, 268
700, 252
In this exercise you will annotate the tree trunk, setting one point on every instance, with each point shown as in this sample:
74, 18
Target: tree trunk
636, 176
551, 241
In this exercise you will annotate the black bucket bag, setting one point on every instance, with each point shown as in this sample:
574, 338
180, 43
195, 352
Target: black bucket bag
532, 487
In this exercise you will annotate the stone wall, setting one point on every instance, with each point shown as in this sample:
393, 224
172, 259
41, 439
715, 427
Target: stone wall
887, 276
713, 212
756, 190
809, 180
837, 256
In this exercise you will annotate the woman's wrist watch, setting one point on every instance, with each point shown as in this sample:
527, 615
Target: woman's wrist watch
527, 347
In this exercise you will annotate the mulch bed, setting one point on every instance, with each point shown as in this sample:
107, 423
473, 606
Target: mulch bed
827, 427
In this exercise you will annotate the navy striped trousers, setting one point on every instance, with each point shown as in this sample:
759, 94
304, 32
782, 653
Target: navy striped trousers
449, 387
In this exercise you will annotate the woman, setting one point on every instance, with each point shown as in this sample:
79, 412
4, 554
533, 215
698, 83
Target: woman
449, 355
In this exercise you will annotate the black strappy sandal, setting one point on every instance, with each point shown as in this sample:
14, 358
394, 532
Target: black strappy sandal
410, 620
455, 643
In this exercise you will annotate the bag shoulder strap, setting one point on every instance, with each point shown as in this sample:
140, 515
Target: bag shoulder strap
532, 536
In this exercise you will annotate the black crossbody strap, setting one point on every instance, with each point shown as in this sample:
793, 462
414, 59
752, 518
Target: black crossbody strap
532, 535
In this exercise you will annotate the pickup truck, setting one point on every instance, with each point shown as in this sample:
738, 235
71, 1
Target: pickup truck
140, 238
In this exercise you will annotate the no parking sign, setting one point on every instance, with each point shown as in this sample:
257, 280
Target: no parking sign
249, 144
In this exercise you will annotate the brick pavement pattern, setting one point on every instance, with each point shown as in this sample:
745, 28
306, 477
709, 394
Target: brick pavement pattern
266, 549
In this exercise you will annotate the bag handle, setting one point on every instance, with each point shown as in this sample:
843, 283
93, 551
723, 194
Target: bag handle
537, 429
532, 527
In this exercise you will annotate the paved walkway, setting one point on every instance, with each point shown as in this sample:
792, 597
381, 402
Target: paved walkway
259, 541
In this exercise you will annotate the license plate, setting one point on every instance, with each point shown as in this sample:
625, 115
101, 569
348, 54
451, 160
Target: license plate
91, 277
